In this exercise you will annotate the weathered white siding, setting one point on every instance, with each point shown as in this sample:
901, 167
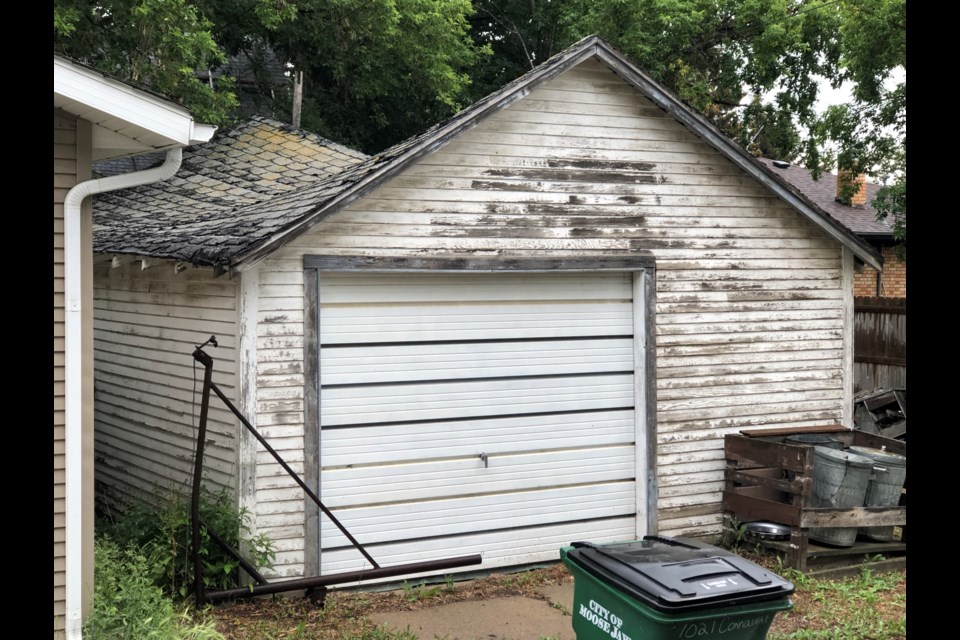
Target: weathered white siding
749, 305
64, 177
147, 389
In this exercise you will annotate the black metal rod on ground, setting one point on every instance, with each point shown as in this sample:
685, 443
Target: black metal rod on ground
340, 578
293, 474
207, 362
233, 553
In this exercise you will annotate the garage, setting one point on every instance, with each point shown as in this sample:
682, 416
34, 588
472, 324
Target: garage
480, 412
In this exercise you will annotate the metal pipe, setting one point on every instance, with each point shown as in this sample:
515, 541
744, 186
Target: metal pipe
207, 362
233, 553
339, 578
293, 474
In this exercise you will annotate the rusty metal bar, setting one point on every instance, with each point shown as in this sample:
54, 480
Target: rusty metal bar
233, 553
339, 578
207, 363
276, 456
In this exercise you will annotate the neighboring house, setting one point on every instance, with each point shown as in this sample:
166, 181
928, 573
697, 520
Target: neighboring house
860, 217
94, 117
534, 323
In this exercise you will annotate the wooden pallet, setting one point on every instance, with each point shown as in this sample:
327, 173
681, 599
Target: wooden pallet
768, 479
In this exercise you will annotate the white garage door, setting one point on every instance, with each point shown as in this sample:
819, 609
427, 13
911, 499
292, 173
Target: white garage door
476, 413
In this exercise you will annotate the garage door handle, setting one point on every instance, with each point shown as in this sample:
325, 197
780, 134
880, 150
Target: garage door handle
486, 460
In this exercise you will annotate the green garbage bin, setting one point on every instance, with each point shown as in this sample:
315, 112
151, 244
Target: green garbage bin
661, 588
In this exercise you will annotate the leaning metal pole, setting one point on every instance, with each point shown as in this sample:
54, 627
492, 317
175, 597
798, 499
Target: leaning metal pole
207, 363
288, 585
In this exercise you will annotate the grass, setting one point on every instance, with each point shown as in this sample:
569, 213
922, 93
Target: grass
865, 607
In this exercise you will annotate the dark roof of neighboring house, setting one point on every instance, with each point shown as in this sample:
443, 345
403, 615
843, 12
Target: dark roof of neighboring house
862, 220
195, 216
239, 235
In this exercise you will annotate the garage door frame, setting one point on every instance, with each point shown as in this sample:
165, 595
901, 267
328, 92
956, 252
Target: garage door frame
641, 264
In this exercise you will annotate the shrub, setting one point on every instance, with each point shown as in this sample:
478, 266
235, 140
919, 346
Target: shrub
127, 605
166, 531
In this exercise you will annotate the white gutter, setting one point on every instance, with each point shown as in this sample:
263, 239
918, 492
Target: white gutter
73, 384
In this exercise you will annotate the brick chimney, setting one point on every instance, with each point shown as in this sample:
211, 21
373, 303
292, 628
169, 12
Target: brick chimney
859, 198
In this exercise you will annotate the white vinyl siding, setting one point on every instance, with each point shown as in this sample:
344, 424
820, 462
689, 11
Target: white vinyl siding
749, 304
64, 177
147, 387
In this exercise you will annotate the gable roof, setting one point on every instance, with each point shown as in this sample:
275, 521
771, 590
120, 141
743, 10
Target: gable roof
192, 216
862, 220
268, 225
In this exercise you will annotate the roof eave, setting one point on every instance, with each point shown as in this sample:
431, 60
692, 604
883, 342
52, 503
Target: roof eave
130, 120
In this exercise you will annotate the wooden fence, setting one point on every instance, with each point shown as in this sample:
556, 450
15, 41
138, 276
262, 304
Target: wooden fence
880, 343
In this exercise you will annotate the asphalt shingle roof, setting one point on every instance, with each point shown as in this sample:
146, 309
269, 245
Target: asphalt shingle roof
862, 219
207, 212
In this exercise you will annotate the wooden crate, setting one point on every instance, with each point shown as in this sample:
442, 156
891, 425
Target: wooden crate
768, 479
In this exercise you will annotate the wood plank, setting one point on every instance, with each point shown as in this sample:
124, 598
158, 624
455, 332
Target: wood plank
770, 454
754, 477
853, 517
749, 508
827, 428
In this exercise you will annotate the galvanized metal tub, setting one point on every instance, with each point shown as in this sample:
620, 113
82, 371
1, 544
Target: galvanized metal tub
884, 487
840, 481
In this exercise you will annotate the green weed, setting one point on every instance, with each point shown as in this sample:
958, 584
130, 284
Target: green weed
166, 530
128, 605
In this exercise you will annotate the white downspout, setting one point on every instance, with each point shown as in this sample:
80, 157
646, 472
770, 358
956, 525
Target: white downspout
73, 384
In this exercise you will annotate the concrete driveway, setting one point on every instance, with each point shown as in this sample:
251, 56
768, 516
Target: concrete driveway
511, 618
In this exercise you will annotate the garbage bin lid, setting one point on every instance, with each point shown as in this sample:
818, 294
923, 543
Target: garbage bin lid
677, 575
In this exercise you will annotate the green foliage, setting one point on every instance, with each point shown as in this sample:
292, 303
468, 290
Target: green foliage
128, 605
891, 202
160, 44
415, 593
375, 71
167, 534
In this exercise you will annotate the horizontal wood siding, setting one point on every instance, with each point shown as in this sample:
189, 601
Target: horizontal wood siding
147, 389
749, 306
64, 177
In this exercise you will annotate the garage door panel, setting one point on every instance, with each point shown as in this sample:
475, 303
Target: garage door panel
381, 484
488, 321
449, 439
412, 288
441, 401
498, 548
452, 361
386, 523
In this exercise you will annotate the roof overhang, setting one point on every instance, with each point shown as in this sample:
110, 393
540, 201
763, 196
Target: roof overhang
126, 120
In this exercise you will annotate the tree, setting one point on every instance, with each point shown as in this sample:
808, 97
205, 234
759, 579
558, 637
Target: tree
156, 43
753, 67
375, 71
